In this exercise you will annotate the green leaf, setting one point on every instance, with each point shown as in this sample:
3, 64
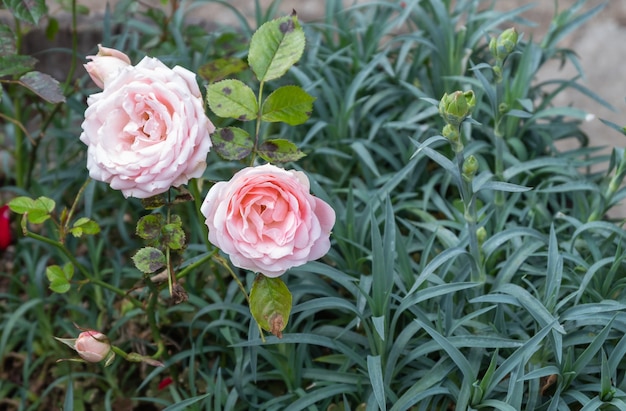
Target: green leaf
232, 99
149, 226
11, 63
60, 277
270, 304
279, 151
29, 11
221, 68
21, 205
232, 143
44, 86
154, 202
173, 236
84, 225
289, 104
275, 47
149, 259
37, 211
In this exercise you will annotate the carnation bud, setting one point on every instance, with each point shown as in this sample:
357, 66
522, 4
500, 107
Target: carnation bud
92, 346
504, 44
105, 65
481, 235
455, 107
470, 167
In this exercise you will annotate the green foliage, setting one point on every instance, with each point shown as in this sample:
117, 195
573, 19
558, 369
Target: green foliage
484, 274
270, 304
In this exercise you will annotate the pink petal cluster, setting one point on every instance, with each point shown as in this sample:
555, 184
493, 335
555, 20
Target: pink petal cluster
147, 130
267, 221
92, 346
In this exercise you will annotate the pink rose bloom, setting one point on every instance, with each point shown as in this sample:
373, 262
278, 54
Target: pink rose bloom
266, 220
92, 346
147, 130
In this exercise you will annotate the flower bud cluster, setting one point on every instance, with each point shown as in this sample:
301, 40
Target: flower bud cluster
501, 47
454, 108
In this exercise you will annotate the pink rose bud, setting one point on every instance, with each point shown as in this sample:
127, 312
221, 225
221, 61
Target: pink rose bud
92, 346
106, 65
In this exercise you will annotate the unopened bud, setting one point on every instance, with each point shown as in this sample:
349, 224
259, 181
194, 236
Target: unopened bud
455, 107
481, 235
504, 44
470, 167
92, 346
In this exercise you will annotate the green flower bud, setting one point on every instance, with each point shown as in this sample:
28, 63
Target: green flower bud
455, 107
481, 235
470, 167
504, 44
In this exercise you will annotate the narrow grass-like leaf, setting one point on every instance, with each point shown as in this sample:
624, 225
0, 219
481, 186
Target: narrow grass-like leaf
375, 373
532, 305
592, 349
320, 394
184, 404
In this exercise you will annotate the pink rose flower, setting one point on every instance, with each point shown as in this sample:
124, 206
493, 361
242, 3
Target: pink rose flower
92, 346
147, 130
105, 65
266, 220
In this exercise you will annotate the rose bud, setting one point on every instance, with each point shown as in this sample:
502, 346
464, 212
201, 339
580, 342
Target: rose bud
92, 346
106, 65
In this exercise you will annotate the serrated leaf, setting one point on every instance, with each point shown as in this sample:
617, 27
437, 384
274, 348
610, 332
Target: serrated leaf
7, 41
275, 47
37, 216
29, 11
44, 85
149, 226
173, 236
149, 259
60, 277
232, 143
270, 304
289, 104
21, 205
84, 225
37, 211
154, 202
45, 204
232, 99
279, 151
221, 68
14, 64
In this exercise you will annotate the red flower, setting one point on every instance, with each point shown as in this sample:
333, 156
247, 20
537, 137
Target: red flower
5, 227
165, 382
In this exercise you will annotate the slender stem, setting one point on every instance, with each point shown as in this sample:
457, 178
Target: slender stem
257, 130
136, 303
469, 204
151, 314
183, 273
70, 213
219, 259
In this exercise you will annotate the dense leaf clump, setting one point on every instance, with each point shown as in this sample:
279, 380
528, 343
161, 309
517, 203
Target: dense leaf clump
473, 264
